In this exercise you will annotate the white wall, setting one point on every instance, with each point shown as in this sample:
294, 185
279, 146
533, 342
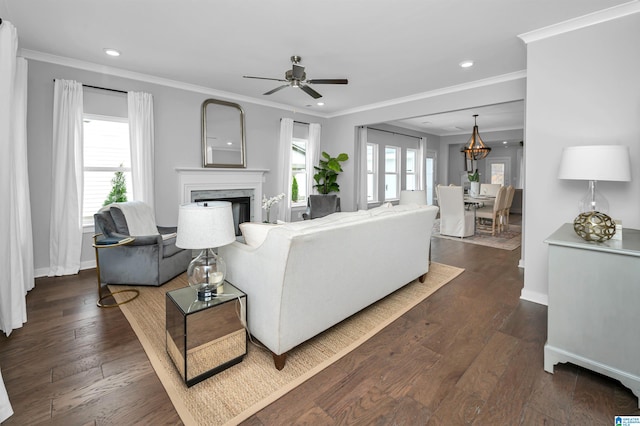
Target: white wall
177, 144
582, 89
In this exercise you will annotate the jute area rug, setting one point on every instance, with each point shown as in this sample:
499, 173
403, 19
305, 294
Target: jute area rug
235, 394
505, 240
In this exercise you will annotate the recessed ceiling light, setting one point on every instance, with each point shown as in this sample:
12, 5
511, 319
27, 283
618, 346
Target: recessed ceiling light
229, 143
466, 64
320, 103
504, 142
112, 52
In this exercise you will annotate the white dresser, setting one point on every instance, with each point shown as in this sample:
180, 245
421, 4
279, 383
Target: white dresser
594, 305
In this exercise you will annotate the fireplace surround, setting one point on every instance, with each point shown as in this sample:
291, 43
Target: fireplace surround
200, 183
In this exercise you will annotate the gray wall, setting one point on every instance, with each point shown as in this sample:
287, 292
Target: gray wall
177, 143
582, 89
339, 135
492, 139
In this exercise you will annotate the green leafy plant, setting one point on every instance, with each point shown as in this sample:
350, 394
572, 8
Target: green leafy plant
118, 192
327, 172
294, 190
474, 177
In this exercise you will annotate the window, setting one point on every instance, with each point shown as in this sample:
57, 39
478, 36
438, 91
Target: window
497, 173
391, 173
410, 170
499, 170
106, 151
372, 172
298, 171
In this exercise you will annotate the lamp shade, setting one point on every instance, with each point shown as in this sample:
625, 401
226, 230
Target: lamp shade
205, 225
595, 162
413, 197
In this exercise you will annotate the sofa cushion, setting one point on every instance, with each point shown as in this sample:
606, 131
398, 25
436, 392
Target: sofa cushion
254, 233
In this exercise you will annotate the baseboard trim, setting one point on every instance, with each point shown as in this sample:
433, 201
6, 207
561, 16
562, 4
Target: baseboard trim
535, 297
44, 272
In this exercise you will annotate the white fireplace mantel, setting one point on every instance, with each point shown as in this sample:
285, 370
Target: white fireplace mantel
202, 179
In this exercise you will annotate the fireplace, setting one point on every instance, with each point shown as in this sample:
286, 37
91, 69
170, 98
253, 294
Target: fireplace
239, 186
240, 203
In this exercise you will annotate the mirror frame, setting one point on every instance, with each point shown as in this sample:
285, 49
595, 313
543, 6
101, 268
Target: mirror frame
243, 160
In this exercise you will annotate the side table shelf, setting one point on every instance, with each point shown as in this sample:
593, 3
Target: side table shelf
204, 338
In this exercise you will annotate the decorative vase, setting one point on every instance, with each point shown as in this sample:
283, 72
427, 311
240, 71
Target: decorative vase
474, 191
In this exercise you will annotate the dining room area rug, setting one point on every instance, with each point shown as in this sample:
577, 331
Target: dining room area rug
506, 240
238, 392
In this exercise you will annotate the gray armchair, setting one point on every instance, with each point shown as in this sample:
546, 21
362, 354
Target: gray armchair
321, 205
148, 260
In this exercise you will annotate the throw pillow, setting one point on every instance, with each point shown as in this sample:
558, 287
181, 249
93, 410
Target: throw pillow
255, 233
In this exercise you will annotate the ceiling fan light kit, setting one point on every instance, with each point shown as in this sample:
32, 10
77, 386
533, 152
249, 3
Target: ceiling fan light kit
297, 77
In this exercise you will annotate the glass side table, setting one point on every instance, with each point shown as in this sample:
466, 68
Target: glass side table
204, 338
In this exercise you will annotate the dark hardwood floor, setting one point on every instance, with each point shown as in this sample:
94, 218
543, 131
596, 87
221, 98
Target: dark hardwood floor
472, 353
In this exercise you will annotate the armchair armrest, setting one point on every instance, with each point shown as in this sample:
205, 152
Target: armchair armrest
143, 240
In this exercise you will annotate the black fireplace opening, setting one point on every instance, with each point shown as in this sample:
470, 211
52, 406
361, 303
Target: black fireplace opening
240, 207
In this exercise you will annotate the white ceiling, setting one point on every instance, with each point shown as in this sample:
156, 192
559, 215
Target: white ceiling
387, 49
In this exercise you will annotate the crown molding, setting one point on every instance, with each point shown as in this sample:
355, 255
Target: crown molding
516, 75
147, 78
594, 18
118, 72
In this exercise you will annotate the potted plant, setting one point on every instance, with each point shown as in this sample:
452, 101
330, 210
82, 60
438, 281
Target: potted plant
474, 178
327, 172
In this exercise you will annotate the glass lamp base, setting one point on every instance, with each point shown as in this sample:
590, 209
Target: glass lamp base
206, 274
593, 200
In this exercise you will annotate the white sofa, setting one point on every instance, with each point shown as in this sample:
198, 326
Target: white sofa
301, 278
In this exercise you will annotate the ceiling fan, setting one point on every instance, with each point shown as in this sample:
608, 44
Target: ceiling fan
296, 77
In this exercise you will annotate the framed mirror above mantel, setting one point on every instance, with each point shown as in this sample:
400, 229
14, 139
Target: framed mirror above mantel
223, 134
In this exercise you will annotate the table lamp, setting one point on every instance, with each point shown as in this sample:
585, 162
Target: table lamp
595, 163
205, 226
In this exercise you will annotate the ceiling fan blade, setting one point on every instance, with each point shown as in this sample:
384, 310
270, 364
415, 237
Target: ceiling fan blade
297, 72
309, 91
264, 78
329, 81
276, 89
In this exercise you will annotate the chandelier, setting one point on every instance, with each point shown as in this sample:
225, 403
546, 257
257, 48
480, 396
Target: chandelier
475, 149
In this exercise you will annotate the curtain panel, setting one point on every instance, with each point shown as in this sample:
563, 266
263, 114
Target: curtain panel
140, 107
284, 168
65, 240
422, 163
16, 248
361, 169
313, 155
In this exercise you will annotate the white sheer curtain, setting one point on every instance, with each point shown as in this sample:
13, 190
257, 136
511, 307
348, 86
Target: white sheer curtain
16, 248
142, 146
313, 154
422, 163
284, 168
361, 168
65, 240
